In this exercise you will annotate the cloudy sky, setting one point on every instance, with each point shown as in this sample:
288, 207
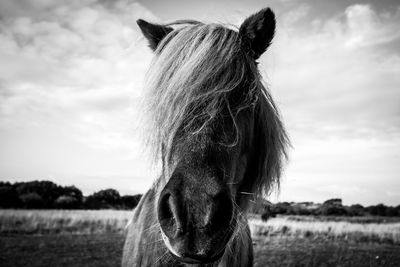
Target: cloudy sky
71, 74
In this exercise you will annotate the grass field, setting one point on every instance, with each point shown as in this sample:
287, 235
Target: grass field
63, 221
95, 238
310, 227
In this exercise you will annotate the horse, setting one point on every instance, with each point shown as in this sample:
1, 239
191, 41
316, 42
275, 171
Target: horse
218, 136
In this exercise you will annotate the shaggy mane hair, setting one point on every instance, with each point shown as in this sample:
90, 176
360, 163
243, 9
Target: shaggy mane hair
196, 70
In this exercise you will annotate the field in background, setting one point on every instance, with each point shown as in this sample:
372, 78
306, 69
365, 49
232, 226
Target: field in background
63, 221
314, 227
95, 238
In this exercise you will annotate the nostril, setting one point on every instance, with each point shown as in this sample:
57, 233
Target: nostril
168, 215
165, 208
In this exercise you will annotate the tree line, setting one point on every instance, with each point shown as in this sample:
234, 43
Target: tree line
331, 207
48, 195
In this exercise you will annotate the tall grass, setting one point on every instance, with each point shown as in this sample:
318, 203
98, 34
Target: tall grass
115, 221
352, 219
63, 221
362, 232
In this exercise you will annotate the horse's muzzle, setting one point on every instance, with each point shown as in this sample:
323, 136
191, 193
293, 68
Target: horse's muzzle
196, 217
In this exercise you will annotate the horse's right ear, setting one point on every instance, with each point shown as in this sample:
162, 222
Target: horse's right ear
154, 33
257, 31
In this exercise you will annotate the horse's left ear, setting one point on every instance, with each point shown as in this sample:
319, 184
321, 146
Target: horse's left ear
258, 30
154, 33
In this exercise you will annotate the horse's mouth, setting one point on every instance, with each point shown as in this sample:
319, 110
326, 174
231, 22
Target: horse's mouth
189, 257
194, 259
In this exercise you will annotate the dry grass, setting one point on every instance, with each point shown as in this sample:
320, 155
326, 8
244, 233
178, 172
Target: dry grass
362, 232
353, 219
114, 221
63, 221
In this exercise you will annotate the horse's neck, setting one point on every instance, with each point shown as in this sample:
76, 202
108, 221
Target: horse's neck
143, 244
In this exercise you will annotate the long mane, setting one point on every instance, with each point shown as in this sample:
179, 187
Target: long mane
195, 70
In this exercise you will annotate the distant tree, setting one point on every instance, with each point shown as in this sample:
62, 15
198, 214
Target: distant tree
281, 208
331, 210
130, 202
67, 202
300, 210
8, 196
332, 207
103, 199
93, 203
378, 210
285, 208
333, 201
48, 191
397, 208
72, 191
356, 210
392, 212
383, 210
110, 196
32, 201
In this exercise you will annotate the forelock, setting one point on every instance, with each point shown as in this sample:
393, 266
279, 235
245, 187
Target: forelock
195, 68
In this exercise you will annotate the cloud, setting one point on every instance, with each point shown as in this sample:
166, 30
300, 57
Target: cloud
337, 84
338, 75
72, 62
77, 46
70, 78
366, 28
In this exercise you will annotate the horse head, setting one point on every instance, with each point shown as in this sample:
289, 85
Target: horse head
215, 128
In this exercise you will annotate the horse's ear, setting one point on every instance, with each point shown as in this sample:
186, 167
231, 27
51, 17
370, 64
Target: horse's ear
258, 31
154, 33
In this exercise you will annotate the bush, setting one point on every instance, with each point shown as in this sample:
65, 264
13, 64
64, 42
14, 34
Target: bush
382, 210
379, 210
48, 191
32, 201
67, 202
73, 192
333, 210
103, 199
334, 202
392, 211
300, 210
281, 208
356, 210
8, 196
130, 202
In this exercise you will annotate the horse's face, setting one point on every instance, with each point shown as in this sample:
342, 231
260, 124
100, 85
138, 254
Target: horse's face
210, 159
196, 208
